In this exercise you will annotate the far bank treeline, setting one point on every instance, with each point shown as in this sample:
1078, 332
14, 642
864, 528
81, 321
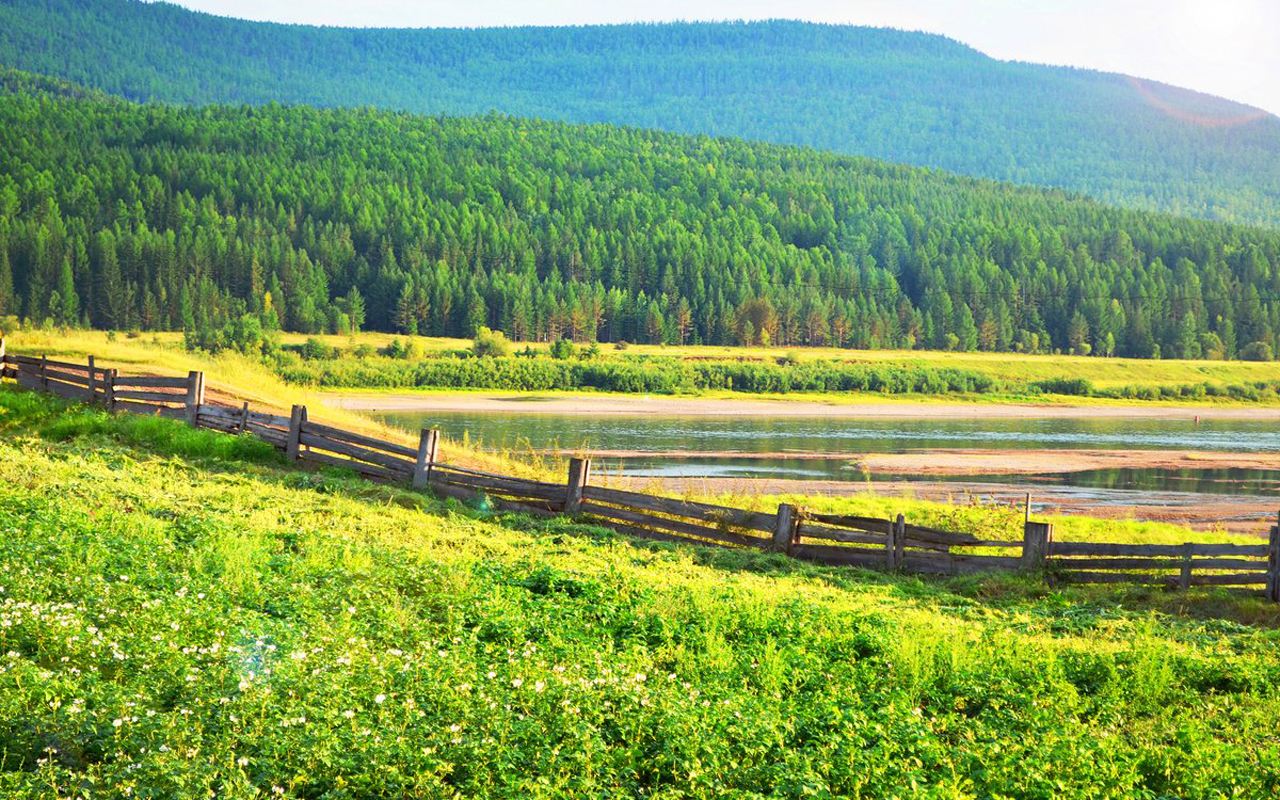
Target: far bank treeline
215, 220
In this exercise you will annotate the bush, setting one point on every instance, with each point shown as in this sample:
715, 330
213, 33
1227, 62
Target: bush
489, 343
403, 350
313, 350
1257, 351
562, 349
1076, 387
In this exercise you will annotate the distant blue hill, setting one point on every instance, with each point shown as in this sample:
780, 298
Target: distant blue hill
907, 97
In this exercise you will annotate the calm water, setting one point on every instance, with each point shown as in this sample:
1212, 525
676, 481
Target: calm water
843, 439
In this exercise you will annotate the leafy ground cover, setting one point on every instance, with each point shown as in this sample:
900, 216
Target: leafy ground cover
181, 616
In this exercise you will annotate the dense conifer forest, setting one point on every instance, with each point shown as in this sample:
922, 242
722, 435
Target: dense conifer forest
127, 216
903, 97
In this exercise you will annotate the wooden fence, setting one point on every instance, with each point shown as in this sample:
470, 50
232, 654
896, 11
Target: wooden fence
834, 539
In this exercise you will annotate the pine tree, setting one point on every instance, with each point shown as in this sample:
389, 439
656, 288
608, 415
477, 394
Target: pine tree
8, 303
67, 311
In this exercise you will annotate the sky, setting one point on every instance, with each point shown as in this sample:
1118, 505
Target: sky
1223, 47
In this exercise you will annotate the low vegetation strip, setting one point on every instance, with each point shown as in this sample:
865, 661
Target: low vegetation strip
843, 539
326, 367
182, 616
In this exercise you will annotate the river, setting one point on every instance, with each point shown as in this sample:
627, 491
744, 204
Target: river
823, 449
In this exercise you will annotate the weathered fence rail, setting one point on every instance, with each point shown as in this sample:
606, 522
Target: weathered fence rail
834, 539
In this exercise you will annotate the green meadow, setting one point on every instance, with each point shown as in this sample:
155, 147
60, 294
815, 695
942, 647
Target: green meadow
181, 615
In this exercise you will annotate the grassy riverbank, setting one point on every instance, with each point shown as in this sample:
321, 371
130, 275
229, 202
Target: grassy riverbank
377, 361
190, 617
820, 375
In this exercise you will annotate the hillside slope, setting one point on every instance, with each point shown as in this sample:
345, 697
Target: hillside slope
164, 217
182, 617
905, 97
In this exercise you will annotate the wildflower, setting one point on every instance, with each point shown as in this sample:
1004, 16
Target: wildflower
116, 723
517, 682
348, 713
379, 699
539, 686
242, 761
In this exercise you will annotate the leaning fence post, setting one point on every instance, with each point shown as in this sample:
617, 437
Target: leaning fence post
110, 392
785, 528
296, 417
93, 381
428, 447
1273, 563
1036, 537
579, 474
244, 417
195, 397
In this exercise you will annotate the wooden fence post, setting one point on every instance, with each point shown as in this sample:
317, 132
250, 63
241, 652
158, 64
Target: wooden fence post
93, 382
110, 388
244, 417
296, 417
1184, 576
428, 448
2, 361
195, 397
1273, 563
579, 474
785, 528
899, 541
891, 544
44, 373
1036, 537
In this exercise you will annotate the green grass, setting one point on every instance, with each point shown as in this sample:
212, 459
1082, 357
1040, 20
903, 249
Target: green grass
806, 372
183, 617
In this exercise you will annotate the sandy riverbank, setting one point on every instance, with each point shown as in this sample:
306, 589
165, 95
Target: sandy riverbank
886, 408
970, 461
1250, 515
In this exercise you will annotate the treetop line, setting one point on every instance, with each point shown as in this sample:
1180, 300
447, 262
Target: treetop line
221, 219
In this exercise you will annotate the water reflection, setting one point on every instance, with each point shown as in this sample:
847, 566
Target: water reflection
844, 439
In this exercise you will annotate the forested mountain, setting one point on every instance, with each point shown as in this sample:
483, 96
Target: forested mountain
904, 97
150, 216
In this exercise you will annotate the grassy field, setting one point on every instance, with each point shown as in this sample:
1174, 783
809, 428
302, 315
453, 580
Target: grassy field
1103, 372
181, 616
163, 352
232, 377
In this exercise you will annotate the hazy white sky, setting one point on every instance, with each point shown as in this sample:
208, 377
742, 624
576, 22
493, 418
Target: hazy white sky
1224, 47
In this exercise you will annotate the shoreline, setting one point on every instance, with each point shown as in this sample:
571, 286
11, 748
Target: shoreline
1199, 511
974, 462
877, 408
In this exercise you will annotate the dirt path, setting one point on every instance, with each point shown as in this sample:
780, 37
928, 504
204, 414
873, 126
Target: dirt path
642, 405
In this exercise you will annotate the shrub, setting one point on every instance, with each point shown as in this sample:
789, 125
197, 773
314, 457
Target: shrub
1257, 351
1076, 387
562, 349
404, 350
313, 349
490, 343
